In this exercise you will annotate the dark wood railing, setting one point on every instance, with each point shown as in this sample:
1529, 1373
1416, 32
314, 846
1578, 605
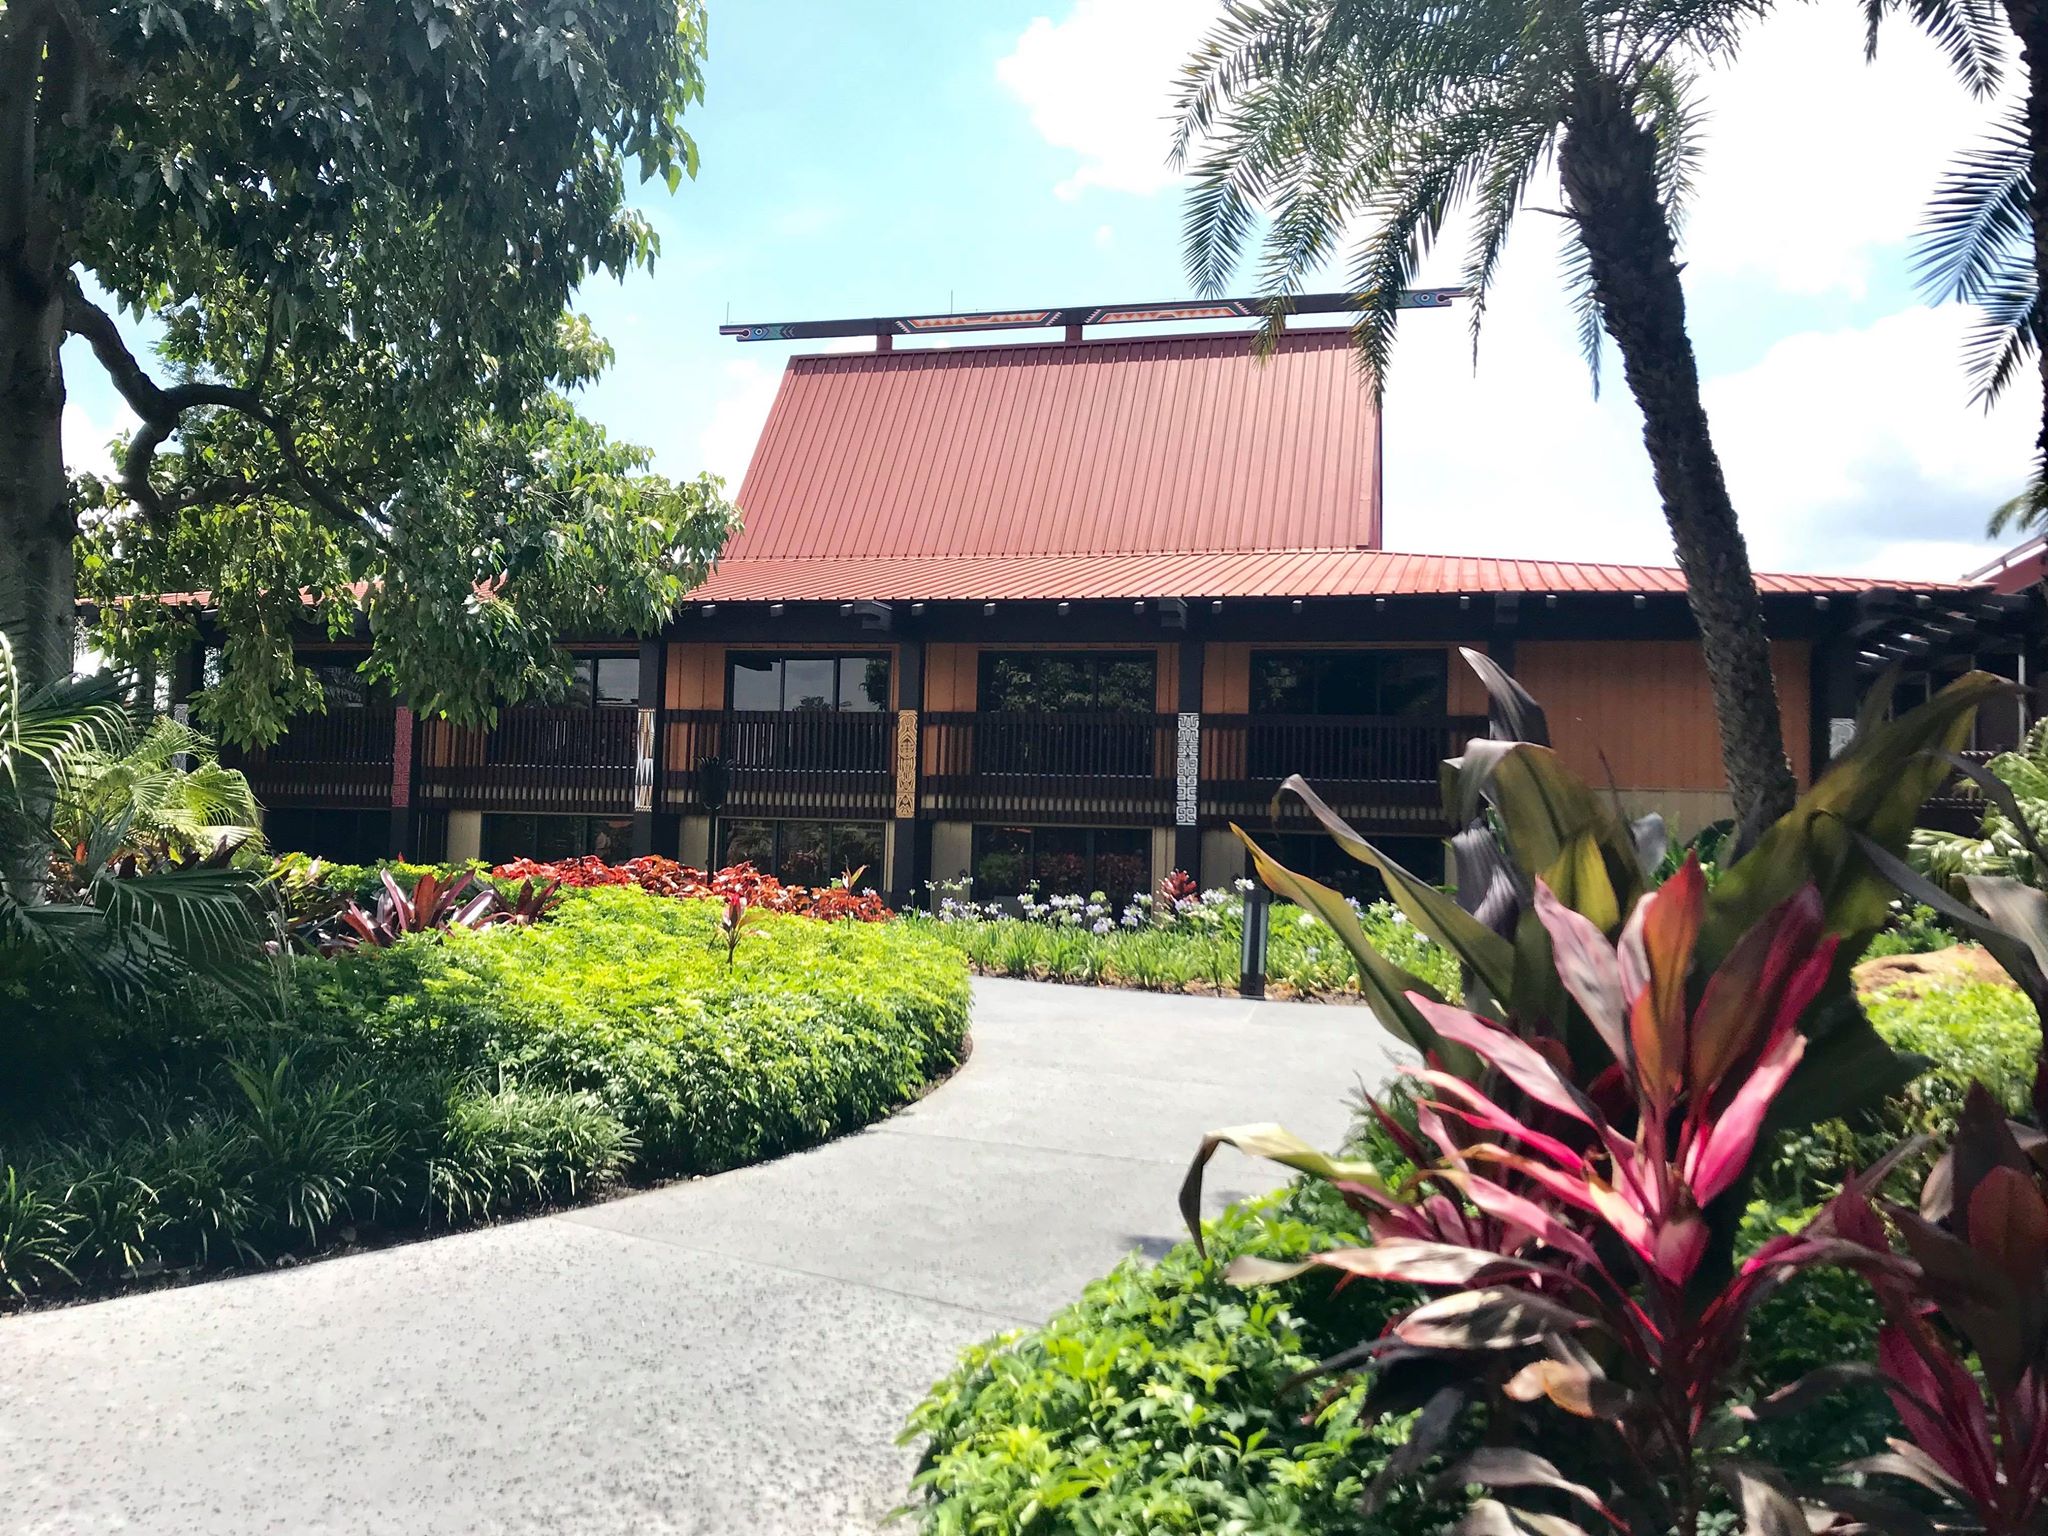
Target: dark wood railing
342, 759
1958, 806
1364, 765
803, 762
563, 759
1049, 766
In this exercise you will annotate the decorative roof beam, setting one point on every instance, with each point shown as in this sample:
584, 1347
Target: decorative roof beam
1076, 316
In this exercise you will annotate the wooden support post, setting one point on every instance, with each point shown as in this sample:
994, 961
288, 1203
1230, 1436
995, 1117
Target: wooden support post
399, 839
1187, 830
909, 855
650, 827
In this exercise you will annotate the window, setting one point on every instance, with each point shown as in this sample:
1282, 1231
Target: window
607, 681
781, 684
509, 837
342, 837
343, 683
806, 852
1349, 683
1069, 680
1018, 688
1318, 856
1062, 861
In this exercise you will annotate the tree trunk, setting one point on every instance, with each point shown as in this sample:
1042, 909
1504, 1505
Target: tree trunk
37, 580
1609, 164
37, 583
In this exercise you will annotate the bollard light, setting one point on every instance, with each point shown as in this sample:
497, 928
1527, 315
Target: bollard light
1258, 909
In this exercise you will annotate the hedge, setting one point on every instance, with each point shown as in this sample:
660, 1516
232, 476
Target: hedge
459, 1077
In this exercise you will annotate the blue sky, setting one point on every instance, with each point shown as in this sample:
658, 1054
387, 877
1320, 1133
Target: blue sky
913, 156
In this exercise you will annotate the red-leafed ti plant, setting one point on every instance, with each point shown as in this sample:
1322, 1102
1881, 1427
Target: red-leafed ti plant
1964, 1349
1568, 1227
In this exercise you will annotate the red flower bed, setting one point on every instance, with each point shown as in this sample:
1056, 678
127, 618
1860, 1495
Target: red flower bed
665, 877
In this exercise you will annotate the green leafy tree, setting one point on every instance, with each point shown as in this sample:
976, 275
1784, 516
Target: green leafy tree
355, 228
1306, 119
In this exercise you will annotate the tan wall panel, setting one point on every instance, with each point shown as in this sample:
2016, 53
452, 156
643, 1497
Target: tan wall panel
696, 676
1646, 706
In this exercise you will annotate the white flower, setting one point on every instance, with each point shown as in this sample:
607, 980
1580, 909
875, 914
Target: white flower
1103, 925
1243, 886
1306, 920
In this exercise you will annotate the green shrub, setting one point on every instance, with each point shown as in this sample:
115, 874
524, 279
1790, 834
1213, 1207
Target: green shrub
1153, 1403
1915, 930
1302, 955
444, 1082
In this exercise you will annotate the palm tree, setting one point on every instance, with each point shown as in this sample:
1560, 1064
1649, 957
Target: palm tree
75, 912
180, 802
1985, 238
1397, 116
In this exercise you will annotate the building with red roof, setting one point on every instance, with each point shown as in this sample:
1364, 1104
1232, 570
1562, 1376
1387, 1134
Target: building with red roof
1060, 611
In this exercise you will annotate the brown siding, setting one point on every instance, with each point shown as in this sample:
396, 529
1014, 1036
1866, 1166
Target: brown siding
696, 676
1647, 707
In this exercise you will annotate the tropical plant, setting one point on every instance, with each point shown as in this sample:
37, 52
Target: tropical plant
433, 905
736, 919
1570, 1219
353, 232
1983, 242
129, 934
1541, 822
170, 787
1398, 117
2014, 823
1963, 1353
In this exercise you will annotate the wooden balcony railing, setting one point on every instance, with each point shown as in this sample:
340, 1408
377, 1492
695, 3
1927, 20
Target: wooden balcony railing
1366, 766
562, 759
804, 762
1957, 806
341, 759
1073, 767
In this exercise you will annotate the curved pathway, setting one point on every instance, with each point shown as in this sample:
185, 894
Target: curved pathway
733, 1354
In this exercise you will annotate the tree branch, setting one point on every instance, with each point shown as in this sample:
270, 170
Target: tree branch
161, 410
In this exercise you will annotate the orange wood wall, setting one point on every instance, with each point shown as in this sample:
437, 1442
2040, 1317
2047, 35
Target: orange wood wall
1646, 706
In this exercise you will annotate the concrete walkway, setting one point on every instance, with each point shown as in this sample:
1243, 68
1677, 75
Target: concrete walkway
731, 1355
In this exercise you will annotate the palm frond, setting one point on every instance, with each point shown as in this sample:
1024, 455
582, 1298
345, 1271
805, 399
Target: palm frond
1979, 224
1585, 303
1972, 34
2006, 337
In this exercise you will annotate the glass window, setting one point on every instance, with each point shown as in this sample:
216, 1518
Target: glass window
1349, 683
756, 682
1061, 861
806, 852
1069, 681
807, 682
508, 837
857, 845
618, 679
582, 684
1317, 856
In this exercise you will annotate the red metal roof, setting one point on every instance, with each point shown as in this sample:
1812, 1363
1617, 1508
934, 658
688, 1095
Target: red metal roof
1116, 447
1261, 573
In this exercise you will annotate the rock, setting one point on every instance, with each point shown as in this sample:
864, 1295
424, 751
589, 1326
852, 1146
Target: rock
1942, 970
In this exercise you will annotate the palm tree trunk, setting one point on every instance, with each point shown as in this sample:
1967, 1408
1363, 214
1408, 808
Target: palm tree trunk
37, 581
1609, 163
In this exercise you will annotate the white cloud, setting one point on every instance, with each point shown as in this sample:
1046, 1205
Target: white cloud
86, 436
1814, 158
1849, 451
1856, 449
1101, 83
1105, 236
